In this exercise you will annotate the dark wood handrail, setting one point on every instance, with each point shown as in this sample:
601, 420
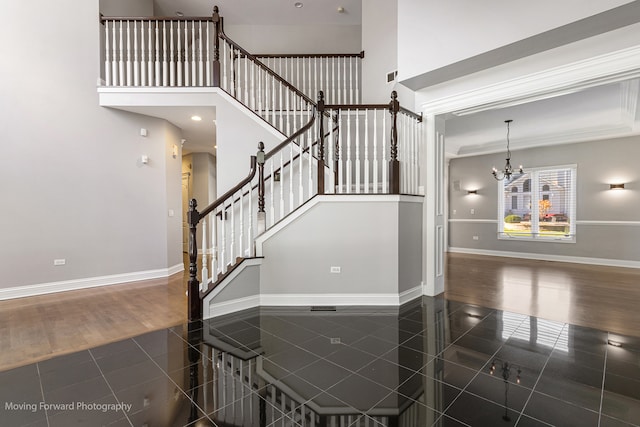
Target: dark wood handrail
154, 18
299, 132
206, 211
410, 113
310, 55
259, 63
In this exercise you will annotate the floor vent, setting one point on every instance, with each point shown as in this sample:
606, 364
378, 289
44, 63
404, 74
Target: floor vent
323, 308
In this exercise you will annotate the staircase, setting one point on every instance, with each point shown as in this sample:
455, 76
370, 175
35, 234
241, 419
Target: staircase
330, 146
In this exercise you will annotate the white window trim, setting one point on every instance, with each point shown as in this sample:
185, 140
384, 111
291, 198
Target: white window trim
534, 218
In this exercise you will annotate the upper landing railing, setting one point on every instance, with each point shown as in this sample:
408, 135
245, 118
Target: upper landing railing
195, 52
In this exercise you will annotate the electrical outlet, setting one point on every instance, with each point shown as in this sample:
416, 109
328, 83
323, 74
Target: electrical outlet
59, 261
455, 211
335, 269
476, 238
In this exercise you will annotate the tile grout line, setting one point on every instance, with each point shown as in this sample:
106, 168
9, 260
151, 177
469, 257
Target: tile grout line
604, 375
533, 389
113, 393
46, 414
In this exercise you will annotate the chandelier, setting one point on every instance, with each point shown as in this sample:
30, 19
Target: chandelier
508, 169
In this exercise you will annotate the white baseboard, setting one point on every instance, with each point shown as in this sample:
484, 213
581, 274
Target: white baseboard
227, 307
301, 300
89, 282
544, 257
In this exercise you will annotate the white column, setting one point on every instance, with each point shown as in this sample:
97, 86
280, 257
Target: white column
432, 178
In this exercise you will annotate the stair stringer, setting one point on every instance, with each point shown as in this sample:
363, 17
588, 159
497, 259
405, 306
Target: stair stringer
239, 290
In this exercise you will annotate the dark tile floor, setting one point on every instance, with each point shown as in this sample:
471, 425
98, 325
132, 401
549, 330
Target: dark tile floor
431, 362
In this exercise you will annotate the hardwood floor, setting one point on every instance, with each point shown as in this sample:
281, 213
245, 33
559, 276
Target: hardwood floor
599, 297
38, 328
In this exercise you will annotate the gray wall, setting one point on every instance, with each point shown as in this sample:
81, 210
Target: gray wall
360, 237
72, 183
600, 163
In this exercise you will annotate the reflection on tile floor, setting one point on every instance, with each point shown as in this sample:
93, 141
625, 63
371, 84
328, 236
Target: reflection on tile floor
432, 362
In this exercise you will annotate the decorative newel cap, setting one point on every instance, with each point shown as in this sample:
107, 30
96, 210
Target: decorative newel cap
394, 105
193, 204
260, 155
215, 9
320, 96
394, 95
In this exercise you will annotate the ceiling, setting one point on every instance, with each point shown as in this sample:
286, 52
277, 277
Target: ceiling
272, 12
607, 111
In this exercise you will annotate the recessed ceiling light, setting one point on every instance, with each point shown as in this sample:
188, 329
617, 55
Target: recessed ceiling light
196, 118
298, 4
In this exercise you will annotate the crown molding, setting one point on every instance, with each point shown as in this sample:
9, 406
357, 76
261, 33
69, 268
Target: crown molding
603, 69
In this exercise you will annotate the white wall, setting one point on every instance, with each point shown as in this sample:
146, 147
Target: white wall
435, 34
380, 44
126, 7
296, 38
72, 183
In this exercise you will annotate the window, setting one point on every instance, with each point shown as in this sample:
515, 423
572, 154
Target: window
547, 209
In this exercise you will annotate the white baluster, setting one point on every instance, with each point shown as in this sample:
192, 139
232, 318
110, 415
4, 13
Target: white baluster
250, 245
136, 63
315, 76
232, 244
241, 237
291, 145
366, 151
334, 78
358, 147
385, 180
375, 151
351, 59
114, 56
129, 68
357, 79
208, 26
121, 75
348, 164
330, 149
200, 56
340, 153
157, 61
143, 68
310, 155
281, 184
187, 73
224, 66
107, 59
194, 70
272, 208
253, 87
150, 54
223, 242
205, 252
342, 79
301, 167
246, 80
172, 62
165, 64
214, 247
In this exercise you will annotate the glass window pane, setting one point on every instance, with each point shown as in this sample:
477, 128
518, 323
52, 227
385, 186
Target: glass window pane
554, 202
517, 208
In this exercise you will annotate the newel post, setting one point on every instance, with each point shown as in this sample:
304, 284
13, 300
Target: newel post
216, 47
193, 289
262, 216
394, 164
321, 144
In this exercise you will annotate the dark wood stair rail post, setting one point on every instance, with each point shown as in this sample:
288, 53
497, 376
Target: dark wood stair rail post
321, 163
193, 287
216, 44
262, 216
394, 164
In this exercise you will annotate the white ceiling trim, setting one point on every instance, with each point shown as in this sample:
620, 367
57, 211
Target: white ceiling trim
603, 69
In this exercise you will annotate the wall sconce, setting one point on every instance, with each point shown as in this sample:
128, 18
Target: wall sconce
175, 151
616, 186
144, 159
472, 191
